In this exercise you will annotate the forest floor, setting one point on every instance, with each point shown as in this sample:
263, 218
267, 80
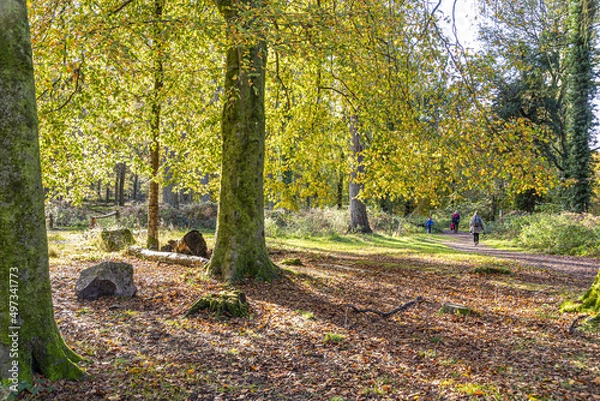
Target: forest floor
301, 343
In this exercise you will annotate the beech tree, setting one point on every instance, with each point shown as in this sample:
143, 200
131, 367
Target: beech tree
240, 248
29, 336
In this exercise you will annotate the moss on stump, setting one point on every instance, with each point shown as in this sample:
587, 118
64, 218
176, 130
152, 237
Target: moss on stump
115, 240
224, 303
589, 302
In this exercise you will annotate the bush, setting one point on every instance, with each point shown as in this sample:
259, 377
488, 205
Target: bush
66, 215
191, 215
306, 223
565, 234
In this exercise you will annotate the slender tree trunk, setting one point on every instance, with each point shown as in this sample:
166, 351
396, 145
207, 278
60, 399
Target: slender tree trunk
122, 174
340, 191
240, 248
107, 200
579, 97
117, 176
29, 336
359, 221
134, 196
152, 242
99, 190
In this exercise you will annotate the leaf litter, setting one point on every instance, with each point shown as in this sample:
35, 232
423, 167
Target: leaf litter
296, 346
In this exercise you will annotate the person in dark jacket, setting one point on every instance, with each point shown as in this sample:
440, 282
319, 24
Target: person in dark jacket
476, 227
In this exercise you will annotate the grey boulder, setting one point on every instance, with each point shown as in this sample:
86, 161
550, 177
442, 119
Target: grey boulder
106, 279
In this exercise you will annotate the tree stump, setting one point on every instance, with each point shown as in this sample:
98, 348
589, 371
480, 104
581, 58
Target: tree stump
115, 240
228, 303
192, 243
455, 309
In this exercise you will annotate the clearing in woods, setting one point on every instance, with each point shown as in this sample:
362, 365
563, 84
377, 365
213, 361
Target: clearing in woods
302, 343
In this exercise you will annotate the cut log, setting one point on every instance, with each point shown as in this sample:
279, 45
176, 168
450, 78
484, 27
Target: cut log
94, 218
167, 257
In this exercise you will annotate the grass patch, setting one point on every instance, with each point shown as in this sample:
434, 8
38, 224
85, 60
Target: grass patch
333, 338
291, 262
492, 270
306, 314
373, 243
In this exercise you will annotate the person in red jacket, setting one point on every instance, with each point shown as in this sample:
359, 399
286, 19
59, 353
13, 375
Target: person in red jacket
455, 222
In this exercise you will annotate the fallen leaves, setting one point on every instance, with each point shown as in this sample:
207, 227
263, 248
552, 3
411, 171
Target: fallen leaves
514, 348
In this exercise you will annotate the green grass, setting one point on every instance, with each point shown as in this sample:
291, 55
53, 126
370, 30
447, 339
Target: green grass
366, 244
505, 245
333, 338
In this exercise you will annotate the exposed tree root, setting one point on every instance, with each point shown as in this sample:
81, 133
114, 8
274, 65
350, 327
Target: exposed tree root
573, 325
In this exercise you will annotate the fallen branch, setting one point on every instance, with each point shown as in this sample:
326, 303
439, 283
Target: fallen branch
382, 314
94, 218
573, 325
167, 257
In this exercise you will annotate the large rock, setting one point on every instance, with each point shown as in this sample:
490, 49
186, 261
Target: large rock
115, 240
106, 279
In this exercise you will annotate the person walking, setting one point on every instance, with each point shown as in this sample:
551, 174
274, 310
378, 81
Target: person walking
428, 224
455, 222
475, 227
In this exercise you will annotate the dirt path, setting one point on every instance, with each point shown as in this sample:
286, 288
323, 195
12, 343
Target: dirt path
579, 266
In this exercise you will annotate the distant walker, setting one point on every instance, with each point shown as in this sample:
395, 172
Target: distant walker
475, 227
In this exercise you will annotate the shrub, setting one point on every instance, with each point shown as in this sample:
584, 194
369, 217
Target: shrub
306, 223
566, 234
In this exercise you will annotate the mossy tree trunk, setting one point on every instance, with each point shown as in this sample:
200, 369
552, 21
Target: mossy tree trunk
152, 242
359, 221
29, 336
240, 248
580, 93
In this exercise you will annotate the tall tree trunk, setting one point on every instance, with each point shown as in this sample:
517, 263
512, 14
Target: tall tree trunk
359, 221
107, 194
152, 242
122, 171
240, 248
117, 176
29, 337
99, 190
579, 97
134, 196
340, 191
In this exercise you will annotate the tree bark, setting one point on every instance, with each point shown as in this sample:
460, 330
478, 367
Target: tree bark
152, 242
240, 248
580, 84
29, 336
359, 221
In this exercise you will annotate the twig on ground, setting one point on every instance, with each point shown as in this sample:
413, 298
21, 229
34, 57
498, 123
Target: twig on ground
380, 313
